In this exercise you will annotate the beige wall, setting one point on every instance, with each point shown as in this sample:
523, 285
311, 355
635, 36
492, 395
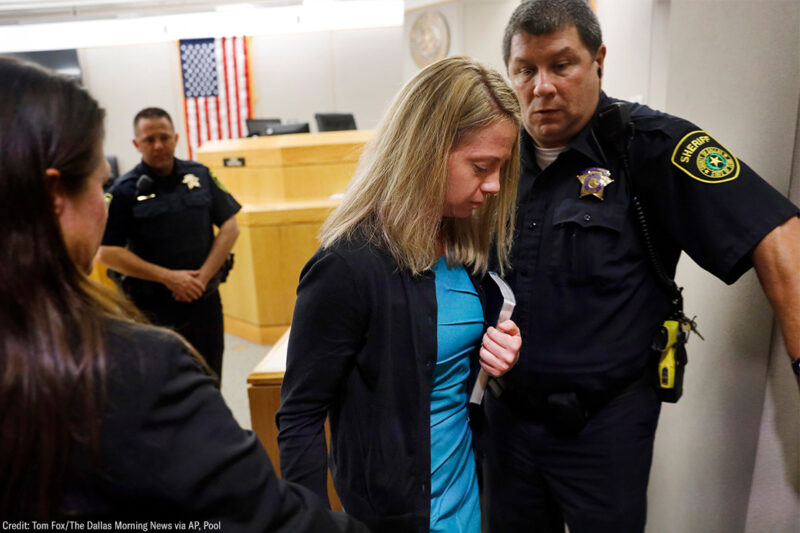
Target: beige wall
343, 71
484, 23
628, 62
774, 504
733, 69
126, 79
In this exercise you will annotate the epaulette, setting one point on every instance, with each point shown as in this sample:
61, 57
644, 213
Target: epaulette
126, 180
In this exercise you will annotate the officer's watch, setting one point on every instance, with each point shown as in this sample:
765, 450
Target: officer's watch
796, 367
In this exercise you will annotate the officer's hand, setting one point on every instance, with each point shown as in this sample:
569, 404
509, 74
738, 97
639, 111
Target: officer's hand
184, 285
201, 277
500, 349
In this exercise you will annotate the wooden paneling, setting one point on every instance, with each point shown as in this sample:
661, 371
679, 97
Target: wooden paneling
274, 243
281, 167
285, 189
100, 275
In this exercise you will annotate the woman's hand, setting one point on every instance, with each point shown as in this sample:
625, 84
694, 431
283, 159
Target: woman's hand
500, 348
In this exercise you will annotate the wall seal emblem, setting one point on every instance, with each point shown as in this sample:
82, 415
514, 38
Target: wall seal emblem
429, 38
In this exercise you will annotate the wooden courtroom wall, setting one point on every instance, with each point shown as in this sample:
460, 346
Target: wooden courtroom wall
284, 183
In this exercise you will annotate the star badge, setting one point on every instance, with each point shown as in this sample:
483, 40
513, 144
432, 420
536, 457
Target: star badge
191, 181
594, 181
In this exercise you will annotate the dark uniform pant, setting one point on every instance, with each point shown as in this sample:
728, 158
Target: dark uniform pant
199, 322
596, 482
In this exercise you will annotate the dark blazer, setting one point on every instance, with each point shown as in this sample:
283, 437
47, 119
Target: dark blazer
172, 451
362, 351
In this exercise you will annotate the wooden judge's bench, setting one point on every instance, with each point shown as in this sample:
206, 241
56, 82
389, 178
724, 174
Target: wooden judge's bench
285, 184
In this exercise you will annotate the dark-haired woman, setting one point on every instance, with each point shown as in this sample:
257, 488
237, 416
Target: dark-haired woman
100, 417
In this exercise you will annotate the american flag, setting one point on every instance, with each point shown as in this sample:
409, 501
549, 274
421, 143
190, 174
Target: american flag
216, 89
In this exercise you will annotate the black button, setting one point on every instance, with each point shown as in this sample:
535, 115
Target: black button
532, 225
587, 217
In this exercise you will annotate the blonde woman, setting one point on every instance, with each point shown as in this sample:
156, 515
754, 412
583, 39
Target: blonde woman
389, 329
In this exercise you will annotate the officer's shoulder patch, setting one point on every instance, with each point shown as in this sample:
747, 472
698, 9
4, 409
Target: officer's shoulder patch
217, 181
703, 158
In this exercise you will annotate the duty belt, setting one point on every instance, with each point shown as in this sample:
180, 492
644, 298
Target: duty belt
565, 412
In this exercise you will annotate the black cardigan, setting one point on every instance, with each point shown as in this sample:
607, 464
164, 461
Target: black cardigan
172, 451
362, 351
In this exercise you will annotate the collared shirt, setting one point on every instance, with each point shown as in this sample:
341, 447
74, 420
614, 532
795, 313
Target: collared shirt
588, 303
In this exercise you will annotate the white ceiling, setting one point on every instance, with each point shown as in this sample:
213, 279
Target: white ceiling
24, 12
17, 12
59, 24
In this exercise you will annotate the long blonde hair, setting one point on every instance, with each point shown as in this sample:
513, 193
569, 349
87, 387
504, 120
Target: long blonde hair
394, 200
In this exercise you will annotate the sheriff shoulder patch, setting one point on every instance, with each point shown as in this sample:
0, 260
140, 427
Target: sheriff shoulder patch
703, 158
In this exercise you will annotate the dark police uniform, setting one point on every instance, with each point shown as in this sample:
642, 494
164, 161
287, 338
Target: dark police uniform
589, 305
172, 226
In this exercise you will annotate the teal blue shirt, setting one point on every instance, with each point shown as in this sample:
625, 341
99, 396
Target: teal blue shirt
454, 484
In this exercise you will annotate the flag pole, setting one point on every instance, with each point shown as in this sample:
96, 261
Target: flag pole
183, 97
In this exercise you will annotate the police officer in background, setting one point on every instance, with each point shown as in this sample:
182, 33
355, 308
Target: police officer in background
160, 237
571, 427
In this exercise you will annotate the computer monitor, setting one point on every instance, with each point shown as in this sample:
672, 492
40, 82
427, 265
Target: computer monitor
62, 61
258, 126
335, 121
281, 129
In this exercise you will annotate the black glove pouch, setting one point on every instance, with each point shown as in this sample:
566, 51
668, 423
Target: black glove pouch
565, 414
